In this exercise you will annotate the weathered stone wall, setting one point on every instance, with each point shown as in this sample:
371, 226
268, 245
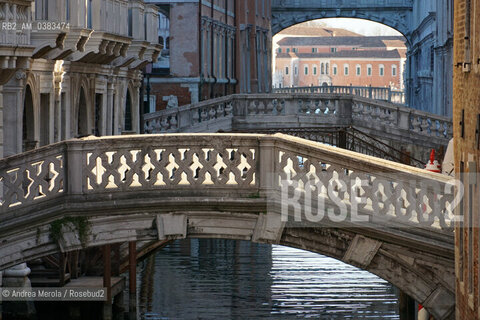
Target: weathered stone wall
466, 102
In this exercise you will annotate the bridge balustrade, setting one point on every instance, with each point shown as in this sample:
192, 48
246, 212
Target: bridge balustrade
377, 93
212, 166
258, 111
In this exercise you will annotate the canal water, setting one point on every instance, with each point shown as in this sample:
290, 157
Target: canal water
226, 279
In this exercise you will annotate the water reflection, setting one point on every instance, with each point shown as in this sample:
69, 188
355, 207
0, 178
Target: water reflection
226, 279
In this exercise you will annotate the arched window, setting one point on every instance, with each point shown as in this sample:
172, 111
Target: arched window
322, 68
28, 130
306, 70
82, 115
369, 69
358, 69
327, 67
394, 70
128, 113
314, 70
286, 70
381, 70
345, 69
335, 69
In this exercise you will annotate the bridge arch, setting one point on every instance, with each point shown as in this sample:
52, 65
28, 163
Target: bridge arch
391, 262
157, 187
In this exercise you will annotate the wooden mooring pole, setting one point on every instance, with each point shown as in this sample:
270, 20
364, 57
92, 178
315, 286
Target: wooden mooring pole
107, 282
132, 276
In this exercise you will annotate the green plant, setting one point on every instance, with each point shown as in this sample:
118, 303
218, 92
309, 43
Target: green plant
81, 224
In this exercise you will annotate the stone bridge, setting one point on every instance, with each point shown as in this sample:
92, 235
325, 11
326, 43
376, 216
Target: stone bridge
387, 218
393, 13
392, 123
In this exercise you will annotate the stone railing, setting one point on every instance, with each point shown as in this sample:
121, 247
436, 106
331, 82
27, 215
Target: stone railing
13, 15
212, 166
376, 93
261, 111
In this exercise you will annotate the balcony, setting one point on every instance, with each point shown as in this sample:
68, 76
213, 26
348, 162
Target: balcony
143, 28
15, 46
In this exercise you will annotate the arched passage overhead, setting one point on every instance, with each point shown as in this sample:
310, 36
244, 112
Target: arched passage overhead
395, 14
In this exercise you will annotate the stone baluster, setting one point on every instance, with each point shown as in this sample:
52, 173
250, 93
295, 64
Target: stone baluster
220, 110
416, 123
173, 122
203, 115
212, 113
195, 116
315, 106
252, 108
261, 107
164, 124
424, 125
229, 108
269, 107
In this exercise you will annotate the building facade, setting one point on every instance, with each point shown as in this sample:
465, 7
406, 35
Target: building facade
340, 61
429, 71
215, 47
72, 68
466, 104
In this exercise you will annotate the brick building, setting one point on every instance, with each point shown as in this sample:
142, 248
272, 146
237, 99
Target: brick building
211, 46
466, 113
341, 61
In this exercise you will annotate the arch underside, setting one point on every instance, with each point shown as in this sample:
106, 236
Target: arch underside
396, 18
425, 274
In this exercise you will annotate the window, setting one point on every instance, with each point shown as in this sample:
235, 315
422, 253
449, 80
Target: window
382, 70
394, 70
279, 50
314, 50
288, 50
41, 9
295, 70
322, 68
295, 50
333, 49
326, 68
306, 70
67, 10
345, 69
286, 70
315, 70
89, 14
334, 69
359, 69
369, 70
130, 22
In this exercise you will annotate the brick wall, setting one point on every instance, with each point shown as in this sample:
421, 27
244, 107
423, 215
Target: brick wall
466, 100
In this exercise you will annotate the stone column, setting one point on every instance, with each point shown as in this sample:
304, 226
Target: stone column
12, 114
17, 276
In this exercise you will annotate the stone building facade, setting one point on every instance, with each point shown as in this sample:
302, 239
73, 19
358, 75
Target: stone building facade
72, 68
340, 61
466, 113
216, 47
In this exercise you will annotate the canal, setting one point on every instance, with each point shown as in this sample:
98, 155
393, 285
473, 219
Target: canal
226, 279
